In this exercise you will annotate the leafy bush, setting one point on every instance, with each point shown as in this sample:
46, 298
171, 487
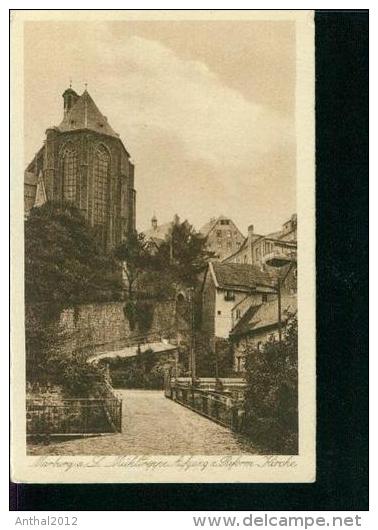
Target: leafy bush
271, 399
139, 313
145, 370
64, 267
77, 377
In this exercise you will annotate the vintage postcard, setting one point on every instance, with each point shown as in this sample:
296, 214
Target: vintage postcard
163, 246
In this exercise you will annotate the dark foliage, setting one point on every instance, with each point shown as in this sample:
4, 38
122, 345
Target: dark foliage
144, 315
183, 254
145, 370
178, 262
64, 267
77, 377
63, 262
271, 400
135, 258
130, 312
139, 313
210, 363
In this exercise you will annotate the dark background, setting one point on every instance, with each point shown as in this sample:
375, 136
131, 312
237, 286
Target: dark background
342, 315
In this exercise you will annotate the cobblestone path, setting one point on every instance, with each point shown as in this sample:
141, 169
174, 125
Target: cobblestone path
153, 424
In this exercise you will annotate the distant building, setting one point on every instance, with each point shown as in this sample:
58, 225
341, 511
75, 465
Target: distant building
83, 161
258, 249
289, 229
258, 325
157, 234
223, 237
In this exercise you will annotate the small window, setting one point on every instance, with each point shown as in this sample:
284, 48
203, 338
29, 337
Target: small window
245, 259
264, 297
219, 233
229, 296
219, 312
238, 313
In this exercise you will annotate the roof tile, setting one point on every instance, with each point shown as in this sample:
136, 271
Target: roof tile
85, 115
265, 315
241, 275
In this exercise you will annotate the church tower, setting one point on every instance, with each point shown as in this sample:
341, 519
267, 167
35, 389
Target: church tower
69, 97
83, 161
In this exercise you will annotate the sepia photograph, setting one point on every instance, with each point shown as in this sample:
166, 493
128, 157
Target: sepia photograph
163, 210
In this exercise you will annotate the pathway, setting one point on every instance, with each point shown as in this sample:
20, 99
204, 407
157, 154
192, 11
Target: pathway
153, 424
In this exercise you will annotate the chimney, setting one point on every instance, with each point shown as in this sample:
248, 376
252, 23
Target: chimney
251, 229
69, 98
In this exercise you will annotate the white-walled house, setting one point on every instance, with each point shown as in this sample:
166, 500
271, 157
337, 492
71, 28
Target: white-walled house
258, 325
228, 291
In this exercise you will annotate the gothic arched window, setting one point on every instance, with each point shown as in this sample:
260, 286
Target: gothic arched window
69, 166
101, 179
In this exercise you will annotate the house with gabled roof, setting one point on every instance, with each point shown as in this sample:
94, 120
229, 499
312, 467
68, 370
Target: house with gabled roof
228, 291
259, 324
240, 304
223, 237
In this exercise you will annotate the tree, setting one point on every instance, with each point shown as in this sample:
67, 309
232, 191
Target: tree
135, 257
183, 253
271, 399
64, 264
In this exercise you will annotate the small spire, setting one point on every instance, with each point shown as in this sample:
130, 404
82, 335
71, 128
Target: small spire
86, 85
154, 221
70, 83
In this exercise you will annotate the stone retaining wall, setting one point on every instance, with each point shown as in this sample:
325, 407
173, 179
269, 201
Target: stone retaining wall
99, 327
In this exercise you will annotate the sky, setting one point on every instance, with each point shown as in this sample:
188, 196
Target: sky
206, 110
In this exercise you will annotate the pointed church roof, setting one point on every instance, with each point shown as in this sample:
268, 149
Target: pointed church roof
85, 114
